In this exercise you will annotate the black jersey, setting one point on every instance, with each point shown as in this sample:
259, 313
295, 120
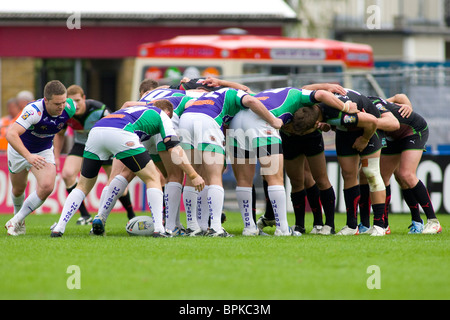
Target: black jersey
346, 121
415, 123
82, 124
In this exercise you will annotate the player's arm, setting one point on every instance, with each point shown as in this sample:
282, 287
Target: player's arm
179, 158
260, 109
388, 122
369, 124
405, 104
331, 100
58, 143
330, 87
133, 103
13, 138
215, 82
400, 98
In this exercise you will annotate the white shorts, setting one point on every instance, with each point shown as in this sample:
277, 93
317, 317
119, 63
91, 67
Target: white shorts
200, 131
104, 142
248, 131
17, 163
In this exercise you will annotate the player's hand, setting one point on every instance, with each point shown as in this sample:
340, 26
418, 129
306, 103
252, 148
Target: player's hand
335, 88
405, 110
198, 183
277, 123
211, 82
360, 143
37, 161
324, 127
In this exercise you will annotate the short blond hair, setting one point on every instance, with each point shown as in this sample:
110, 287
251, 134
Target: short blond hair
74, 89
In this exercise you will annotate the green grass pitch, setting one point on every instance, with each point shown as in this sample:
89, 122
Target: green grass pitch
118, 266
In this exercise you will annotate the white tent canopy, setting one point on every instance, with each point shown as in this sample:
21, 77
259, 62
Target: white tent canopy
169, 8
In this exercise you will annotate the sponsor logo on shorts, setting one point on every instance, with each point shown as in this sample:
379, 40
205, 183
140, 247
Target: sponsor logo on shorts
130, 143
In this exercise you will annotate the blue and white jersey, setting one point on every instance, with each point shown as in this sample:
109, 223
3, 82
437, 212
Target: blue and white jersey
162, 94
145, 121
40, 126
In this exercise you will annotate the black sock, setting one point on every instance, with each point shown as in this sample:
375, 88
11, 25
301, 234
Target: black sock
386, 206
299, 202
365, 205
378, 213
351, 196
313, 195
328, 200
269, 210
422, 196
83, 210
126, 203
410, 199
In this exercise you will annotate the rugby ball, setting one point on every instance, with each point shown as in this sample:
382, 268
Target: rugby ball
140, 226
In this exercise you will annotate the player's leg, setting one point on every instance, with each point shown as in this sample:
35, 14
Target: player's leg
243, 164
19, 183
155, 197
172, 192
69, 174
244, 171
295, 170
349, 170
88, 177
45, 182
272, 169
318, 168
125, 199
19, 180
415, 190
212, 169
370, 165
119, 178
388, 164
190, 200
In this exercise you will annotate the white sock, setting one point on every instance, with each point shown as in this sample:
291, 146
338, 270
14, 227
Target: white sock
215, 200
101, 211
172, 198
73, 202
17, 202
244, 198
109, 197
155, 198
31, 203
190, 206
203, 209
277, 196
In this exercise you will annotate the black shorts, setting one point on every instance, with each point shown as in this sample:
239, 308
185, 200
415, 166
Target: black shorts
310, 145
346, 139
416, 141
78, 149
91, 167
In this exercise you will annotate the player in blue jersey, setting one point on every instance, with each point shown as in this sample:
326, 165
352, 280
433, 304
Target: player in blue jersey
88, 113
309, 179
34, 139
201, 131
120, 135
173, 174
254, 139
